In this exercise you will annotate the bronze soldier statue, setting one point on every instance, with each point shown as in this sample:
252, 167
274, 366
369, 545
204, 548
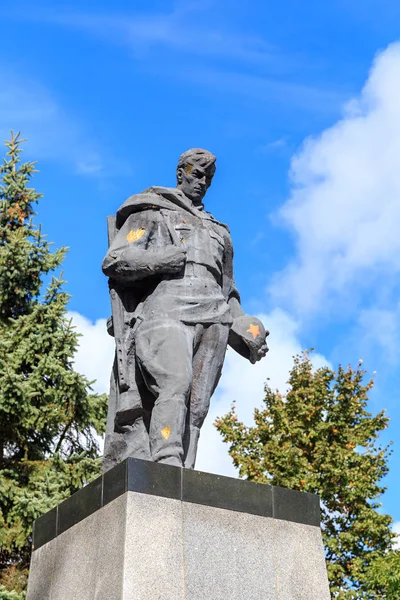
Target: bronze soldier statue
175, 309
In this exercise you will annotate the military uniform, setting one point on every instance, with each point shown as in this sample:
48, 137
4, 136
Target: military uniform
171, 266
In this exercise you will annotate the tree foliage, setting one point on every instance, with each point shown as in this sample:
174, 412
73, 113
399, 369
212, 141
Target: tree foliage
6, 594
384, 575
319, 437
48, 415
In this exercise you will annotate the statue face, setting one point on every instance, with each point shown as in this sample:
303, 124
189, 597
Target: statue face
194, 181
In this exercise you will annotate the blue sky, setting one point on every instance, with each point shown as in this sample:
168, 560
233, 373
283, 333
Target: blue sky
298, 100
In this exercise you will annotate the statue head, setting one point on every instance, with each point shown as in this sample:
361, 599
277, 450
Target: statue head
194, 173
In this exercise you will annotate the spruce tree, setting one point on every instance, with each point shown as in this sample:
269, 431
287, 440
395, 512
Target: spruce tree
48, 415
319, 437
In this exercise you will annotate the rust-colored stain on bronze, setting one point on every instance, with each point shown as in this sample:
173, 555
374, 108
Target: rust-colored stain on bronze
134, 236
188, 169
254, 330
166, 432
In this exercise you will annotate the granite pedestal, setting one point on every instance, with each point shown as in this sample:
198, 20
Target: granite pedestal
146, 531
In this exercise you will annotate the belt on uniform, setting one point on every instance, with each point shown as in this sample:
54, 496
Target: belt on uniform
196, 270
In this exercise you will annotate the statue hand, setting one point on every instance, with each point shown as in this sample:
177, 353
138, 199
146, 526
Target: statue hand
175, 258
258, 354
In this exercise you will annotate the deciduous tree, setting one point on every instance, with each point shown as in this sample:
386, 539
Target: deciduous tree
320, 437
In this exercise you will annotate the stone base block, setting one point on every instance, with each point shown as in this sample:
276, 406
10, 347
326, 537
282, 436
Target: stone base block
149, 532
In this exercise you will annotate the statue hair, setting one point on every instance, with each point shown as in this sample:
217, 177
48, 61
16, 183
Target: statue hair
196, 156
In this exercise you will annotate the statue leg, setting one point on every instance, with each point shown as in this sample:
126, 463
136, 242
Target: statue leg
208, 361
128, 441
164, 350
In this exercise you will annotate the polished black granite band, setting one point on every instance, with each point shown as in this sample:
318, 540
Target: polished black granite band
147, 477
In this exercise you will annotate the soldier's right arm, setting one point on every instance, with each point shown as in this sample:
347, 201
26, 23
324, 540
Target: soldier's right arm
143, 247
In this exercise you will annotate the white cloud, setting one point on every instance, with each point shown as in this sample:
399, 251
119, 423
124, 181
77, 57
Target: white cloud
263, 88
52, 133
396, 529
344, 207
184, 44
241, 381
176, 29
95, 353
380, 328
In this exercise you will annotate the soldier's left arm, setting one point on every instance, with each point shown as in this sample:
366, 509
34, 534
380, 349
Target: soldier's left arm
232, 295
229, 288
